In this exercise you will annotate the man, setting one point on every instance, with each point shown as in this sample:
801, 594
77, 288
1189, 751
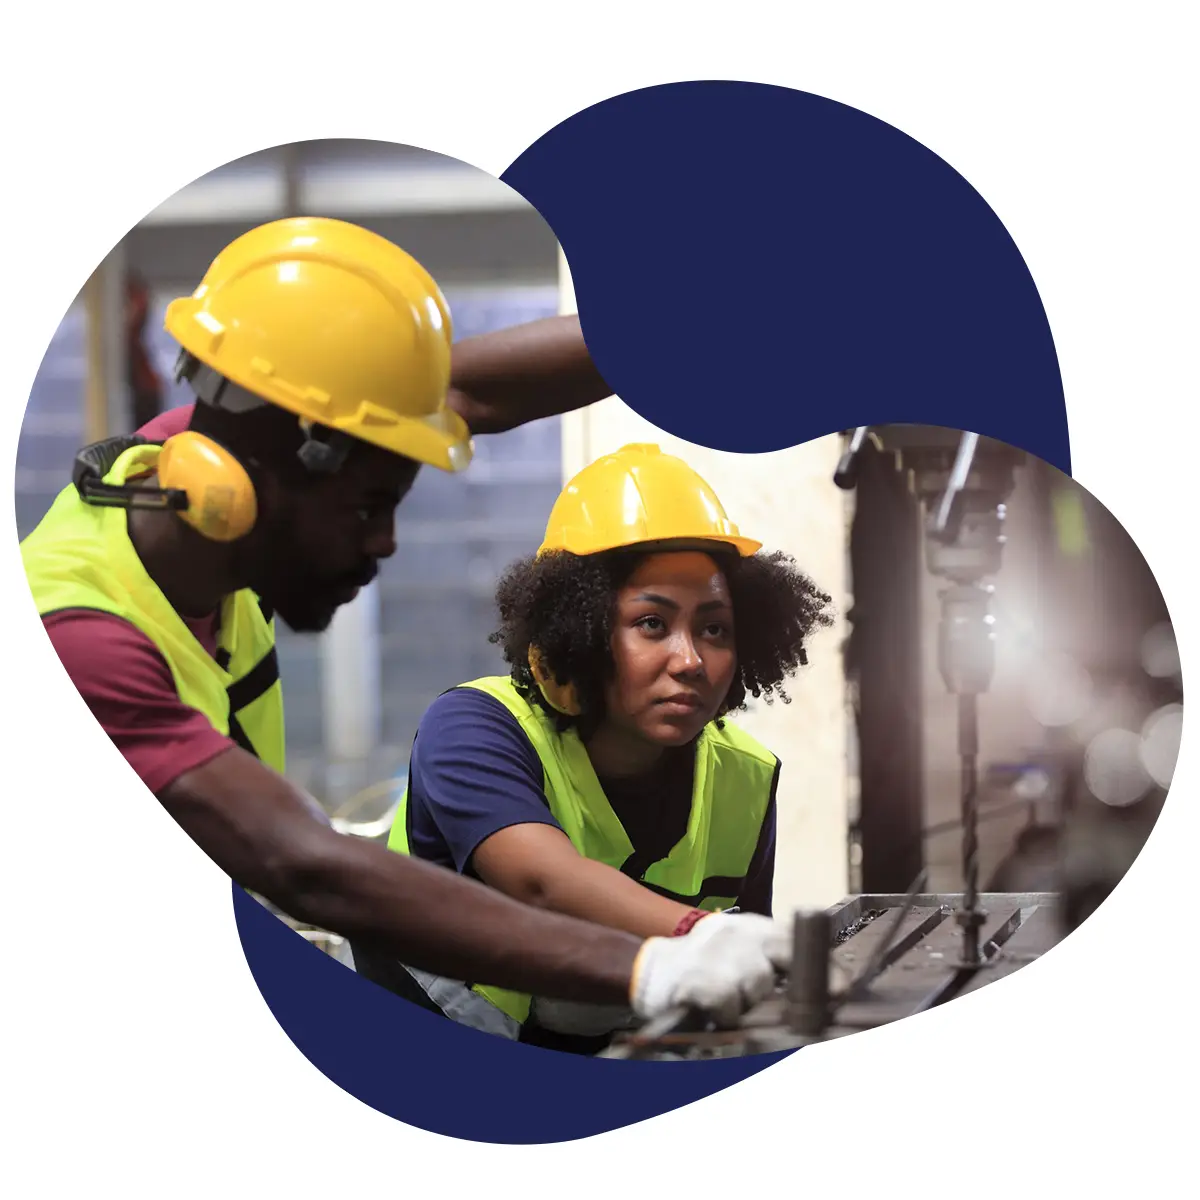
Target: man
320, 357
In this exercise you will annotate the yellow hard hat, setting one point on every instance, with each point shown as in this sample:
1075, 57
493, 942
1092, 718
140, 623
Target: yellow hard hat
335, 324
636, 496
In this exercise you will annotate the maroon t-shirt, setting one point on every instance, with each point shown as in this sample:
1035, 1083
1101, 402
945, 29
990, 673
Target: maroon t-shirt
126, 682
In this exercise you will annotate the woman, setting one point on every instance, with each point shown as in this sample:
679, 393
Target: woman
601, 778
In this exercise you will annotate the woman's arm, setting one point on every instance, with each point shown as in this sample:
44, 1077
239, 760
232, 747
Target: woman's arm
477, 799
539, 866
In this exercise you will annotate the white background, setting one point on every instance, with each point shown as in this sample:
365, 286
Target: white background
138, 1053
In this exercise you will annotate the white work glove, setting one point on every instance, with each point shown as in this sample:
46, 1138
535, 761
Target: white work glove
723, 967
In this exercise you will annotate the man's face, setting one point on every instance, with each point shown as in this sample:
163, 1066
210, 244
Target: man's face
319, 542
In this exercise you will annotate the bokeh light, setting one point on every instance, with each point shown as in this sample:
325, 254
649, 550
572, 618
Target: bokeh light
1160, 743
1113, 769
1160, 652
1032, 785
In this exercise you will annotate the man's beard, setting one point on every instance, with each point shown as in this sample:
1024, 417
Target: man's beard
303, 600
304, 609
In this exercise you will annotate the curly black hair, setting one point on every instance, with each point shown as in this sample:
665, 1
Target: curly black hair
565, 604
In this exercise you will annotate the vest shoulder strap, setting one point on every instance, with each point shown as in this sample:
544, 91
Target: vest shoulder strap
731, 737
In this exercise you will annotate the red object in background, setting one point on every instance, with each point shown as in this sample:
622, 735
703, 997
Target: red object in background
145, 386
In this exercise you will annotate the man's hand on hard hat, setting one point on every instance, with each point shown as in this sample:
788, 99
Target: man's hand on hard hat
498, 380
507, 378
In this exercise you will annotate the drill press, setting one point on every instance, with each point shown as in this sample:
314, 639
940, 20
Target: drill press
913, 960
962, 482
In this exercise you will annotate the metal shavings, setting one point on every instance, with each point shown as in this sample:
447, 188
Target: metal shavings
844, 935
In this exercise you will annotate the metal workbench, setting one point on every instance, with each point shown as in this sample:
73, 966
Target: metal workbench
913, 959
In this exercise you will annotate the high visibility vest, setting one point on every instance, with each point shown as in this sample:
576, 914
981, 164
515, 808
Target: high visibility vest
734, 779
80, 557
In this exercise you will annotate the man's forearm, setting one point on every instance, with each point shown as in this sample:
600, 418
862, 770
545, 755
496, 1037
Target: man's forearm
437, 921
258, 828
504, 379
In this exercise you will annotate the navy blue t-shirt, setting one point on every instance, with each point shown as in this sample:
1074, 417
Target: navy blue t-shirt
474, 772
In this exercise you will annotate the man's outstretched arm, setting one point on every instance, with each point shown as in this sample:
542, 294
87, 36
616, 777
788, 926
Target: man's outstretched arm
540, 369
258, 827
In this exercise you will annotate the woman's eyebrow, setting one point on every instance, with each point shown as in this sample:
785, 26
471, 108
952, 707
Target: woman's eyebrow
667, 602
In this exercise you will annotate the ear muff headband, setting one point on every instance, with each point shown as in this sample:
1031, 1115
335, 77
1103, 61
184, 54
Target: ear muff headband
562, 697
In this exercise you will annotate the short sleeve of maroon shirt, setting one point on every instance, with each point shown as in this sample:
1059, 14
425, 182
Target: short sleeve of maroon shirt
167, 424
126, 682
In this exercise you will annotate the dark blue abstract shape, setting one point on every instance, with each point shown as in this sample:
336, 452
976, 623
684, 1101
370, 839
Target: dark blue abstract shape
756, 266
437, 1075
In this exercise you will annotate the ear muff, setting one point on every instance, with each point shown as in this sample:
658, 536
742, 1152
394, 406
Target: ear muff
561, 697
221, 502
199, 479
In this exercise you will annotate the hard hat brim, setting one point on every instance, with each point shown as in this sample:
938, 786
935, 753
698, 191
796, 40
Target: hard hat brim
744, 547
441, 440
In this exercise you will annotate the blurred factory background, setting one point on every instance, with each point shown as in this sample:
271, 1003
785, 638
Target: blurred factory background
1084, 711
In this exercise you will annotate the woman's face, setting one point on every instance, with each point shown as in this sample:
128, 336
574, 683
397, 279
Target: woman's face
673, 647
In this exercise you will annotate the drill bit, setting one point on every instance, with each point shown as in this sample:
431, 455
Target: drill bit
969, 918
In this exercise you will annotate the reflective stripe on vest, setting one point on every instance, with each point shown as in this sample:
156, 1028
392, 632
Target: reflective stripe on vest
80, 557
732, 786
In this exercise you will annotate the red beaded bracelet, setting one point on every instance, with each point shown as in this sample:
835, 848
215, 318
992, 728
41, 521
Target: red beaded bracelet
688, 921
